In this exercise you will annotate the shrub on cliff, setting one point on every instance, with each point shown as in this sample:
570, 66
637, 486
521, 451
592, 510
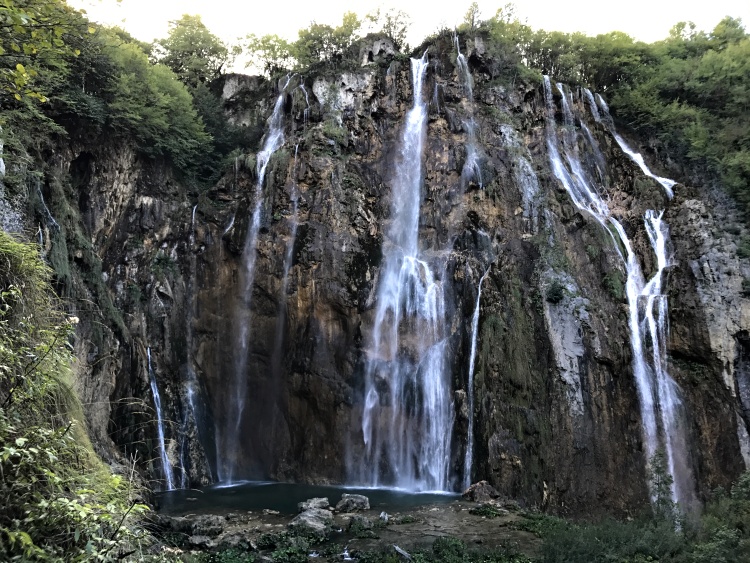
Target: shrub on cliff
59, 502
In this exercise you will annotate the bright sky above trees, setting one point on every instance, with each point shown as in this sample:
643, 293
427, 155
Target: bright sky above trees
648, 20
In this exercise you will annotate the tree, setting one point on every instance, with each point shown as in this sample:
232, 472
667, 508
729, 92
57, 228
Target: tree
151, 105
35, 34
471, 18
393, 23
193, 53
270, 53
321, 42
317, 43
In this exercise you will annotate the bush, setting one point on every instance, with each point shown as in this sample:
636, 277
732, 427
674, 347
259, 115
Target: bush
555, 292
59, 502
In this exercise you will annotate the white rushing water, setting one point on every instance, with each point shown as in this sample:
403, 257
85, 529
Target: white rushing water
662, 414
469, 456
408, 411
288, 259
273, 141
524, 176
306, 111
467, 82
190, 416
472, 169
165, 465
636, 157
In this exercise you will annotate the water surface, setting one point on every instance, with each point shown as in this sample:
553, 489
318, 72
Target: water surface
284, 497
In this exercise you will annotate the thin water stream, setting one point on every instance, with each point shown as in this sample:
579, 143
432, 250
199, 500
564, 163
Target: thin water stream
166, 467
469, 456
662, 413
231, 446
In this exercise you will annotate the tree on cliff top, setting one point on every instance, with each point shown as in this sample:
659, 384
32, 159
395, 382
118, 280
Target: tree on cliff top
315, 44
193, 53
35, 34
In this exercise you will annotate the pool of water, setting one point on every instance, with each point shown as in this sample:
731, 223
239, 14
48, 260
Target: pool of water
285, 496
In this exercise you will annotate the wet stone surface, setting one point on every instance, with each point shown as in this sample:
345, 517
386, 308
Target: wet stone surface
487, 526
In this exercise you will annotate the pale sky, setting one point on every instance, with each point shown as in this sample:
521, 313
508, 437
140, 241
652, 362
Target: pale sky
648, 20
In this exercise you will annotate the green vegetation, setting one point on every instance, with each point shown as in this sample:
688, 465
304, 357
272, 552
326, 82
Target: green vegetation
87, 83
33, 36
227, 556
555, 292
322, 43
719, 534
59, 502
614, 282
690, 91
192, 52
447, 550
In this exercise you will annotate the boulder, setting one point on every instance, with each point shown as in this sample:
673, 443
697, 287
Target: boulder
315, 521
318, 502
358, 523
353, 503
481, 492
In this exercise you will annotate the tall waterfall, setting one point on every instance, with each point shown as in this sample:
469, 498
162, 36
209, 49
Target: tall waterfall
408, 411
662, 414
231, 444
194, 423
469, 456
166, 467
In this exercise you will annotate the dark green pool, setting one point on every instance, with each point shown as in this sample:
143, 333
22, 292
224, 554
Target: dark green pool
285, 496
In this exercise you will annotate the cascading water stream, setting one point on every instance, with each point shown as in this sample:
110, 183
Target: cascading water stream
273, 141
524, 175
467, 82
191, 409
469, 456
306, 111
408, 411
165, 465
471, 168
288, 258
661, 413
636, 157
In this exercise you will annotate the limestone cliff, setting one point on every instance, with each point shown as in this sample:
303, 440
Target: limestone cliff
556, 415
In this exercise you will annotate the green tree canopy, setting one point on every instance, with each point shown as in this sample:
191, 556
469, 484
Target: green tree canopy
392, 23
270, 53
193, 53
35, 34
315, 44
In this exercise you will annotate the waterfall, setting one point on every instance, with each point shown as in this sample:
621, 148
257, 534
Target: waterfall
408, 412
232, 446
662, 414
471, 169
165, 466
592, 105
469, 457
306, 111
467, 83
191, 408
288, 258
229, 226
636, 157
50, 220
524, 176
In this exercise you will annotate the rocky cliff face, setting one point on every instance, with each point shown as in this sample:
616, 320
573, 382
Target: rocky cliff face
555, 410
